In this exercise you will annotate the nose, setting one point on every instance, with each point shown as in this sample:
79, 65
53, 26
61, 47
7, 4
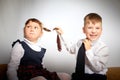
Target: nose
31, 28
93, 30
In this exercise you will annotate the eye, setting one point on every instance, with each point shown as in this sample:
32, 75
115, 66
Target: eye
97, 27
89, 27
35, 27
28, 26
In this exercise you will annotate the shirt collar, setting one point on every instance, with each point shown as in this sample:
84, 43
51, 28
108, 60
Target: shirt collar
31, 43
94, 42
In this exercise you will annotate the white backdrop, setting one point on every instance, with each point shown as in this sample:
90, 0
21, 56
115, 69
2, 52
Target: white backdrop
68, 14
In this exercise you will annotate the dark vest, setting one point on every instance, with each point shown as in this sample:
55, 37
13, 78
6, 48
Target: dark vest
30, 56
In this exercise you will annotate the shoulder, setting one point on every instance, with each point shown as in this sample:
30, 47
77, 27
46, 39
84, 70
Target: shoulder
101, 43
17, 44
16, 47
17, 41
102, 46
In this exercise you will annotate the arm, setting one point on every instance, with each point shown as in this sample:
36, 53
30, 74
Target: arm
65, 44
60, 32
16, 54
68, 48
97, 58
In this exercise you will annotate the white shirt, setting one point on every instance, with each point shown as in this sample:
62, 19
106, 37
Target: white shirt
17, 53
96, 58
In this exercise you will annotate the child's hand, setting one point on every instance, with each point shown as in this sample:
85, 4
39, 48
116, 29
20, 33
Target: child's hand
58, 30
87, 44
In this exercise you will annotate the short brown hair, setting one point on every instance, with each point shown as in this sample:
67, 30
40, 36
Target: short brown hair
94, 17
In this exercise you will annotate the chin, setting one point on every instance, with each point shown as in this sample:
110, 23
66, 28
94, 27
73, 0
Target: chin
93, 39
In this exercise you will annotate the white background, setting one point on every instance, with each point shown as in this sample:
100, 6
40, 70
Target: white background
68, 14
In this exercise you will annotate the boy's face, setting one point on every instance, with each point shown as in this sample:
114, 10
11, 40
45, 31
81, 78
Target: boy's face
32, 31
92, 30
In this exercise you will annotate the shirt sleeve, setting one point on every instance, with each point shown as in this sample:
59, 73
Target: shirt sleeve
16, 54
97, 60
71, 47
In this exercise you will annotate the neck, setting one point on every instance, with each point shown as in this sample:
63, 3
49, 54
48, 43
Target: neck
93, 42
31, 41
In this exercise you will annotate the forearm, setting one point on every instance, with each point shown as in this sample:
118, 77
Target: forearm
12, 73
65, 43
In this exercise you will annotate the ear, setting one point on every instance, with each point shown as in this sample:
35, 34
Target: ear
83, 29
41, 33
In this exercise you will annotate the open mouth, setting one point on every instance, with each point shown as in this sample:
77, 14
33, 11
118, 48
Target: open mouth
93, 36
